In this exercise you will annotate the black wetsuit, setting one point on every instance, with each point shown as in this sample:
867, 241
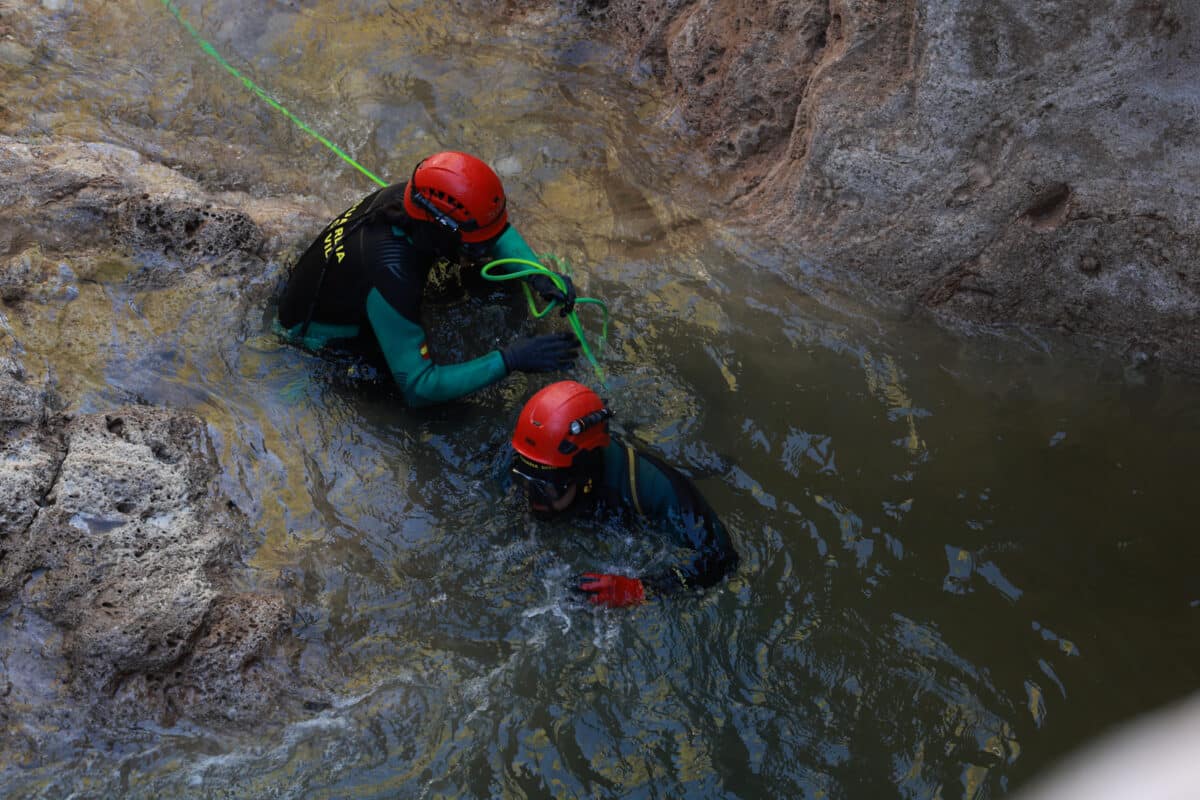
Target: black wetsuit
629, 480
365, 275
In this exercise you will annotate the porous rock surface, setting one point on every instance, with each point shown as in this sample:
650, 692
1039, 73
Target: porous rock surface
80, 197
1027, 161
29, 455
117, 552
113, 532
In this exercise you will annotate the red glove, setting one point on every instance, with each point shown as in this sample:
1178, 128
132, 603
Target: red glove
614, 591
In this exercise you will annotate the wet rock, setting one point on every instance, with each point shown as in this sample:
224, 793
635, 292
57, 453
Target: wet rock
14, 54
910, 141
28, 455
30, 276
71, 210
117, 553
188, 231
21, 405
226, 674
128, 555
71, 196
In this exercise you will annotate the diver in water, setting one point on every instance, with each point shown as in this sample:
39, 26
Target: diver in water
566, 461
359, 286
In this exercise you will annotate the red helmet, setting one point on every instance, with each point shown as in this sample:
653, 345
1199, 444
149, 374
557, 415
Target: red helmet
560, 422
459, 191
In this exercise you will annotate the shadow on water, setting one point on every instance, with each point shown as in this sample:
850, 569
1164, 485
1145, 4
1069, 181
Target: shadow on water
961, 554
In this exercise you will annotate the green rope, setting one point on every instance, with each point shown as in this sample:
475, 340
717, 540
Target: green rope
534, 268
266, 98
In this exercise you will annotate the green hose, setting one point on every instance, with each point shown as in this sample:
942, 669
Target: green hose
534, 268
262, 94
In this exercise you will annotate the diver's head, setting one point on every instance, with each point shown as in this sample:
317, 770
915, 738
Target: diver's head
461, 194
557, 431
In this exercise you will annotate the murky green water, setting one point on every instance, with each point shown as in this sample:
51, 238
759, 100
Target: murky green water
961, 555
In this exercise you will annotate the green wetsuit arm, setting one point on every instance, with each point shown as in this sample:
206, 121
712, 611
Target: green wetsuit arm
423, 382
512, 245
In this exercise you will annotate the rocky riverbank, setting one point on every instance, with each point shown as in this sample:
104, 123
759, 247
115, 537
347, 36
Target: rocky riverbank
999, 161
113, 533
119, 555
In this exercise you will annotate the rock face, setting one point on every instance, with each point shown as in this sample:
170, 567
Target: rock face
27, 455
993, 160
112, 531
117, 552
66, 193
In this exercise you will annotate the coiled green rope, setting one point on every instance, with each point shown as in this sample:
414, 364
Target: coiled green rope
534, 268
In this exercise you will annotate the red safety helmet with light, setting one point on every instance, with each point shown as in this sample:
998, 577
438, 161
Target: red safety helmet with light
558, 424
459, 192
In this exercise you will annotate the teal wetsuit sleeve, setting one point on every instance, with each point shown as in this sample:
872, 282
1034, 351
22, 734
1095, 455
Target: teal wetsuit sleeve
512, 245
422, 381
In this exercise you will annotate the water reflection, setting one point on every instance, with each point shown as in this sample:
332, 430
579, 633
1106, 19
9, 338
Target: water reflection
920, 548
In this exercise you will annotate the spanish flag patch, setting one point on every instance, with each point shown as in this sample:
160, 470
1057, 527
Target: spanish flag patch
425, 351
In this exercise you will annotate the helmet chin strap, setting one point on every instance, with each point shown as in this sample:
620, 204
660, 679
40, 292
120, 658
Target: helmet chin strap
584, 465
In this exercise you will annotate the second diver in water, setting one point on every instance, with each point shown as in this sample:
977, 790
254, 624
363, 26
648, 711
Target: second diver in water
566, 461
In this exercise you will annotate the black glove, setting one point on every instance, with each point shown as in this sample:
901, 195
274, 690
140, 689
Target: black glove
547, 353
543, 285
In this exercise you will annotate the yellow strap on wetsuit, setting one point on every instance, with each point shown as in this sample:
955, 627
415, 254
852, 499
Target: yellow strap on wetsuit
633, 491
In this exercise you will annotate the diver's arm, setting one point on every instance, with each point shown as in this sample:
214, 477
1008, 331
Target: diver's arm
662, 495
423, 382
512, 245
667, 497
714, 559
711, 563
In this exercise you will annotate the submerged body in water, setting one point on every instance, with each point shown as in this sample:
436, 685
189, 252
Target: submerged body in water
360, 284
565, 460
